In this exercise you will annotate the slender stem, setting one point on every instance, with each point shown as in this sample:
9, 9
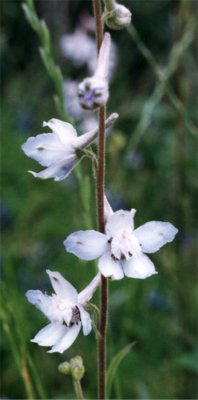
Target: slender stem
101, 169
101, 222
78, 389
26, 376
99, 24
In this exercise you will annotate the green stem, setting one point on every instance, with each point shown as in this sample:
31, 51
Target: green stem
101, 222
78, 389
26, 376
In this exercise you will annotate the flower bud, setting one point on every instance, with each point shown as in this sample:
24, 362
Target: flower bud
77, 368
118, 17
93, 92
64, 368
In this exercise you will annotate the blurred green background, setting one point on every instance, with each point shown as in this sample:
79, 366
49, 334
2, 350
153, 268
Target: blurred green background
151, 166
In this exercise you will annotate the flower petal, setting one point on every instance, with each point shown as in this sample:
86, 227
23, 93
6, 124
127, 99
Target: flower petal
41, 301
139, 266
87, 138
57, 171
102, 68
46, 148
62, 287
67, 340
120, 220
109, 267
86, 320
50, 334
108, 211
86, 245
154, 235
65, 131
86, 294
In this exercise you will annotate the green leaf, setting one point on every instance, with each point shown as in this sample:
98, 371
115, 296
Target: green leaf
31, 17
45, 36
115, 362
46, 61
30, 3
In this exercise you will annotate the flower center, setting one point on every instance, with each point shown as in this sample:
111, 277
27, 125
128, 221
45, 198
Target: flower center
124, 245
75, 316
68, 314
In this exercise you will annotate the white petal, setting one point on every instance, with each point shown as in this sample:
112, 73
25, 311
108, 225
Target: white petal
62, 287
67, 339
103, 58
120, 220
139, 266
41, 301
86, 245
86, 294
87, 138
57, 171
64, 130
154, 235
50, 334
46, 148
109, 267
86, 320
108, 211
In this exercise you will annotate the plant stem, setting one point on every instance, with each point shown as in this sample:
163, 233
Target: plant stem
78, 389
101, 222
26, 376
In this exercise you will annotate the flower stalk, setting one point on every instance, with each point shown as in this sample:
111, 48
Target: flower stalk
101, 221
78, 389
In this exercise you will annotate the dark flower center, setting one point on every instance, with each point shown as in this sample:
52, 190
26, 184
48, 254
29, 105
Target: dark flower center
75, 316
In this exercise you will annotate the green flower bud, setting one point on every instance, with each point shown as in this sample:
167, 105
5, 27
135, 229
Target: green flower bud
77, 368
118, 17
64, 368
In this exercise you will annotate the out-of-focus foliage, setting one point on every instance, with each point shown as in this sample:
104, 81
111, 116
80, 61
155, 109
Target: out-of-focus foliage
151, 166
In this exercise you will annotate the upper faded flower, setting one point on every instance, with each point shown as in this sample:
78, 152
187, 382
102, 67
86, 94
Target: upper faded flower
94, 91
121, 248
59, 150
65, 311
79, 47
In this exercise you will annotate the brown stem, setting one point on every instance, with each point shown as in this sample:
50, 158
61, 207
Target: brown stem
101, 169
101, 222
99, 24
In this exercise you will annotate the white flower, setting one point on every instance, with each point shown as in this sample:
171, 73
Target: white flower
94, 92
59, 151
121, 248
65, 311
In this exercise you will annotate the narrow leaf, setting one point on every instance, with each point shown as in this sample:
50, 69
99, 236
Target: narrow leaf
45, 36
115, 362
32, 19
